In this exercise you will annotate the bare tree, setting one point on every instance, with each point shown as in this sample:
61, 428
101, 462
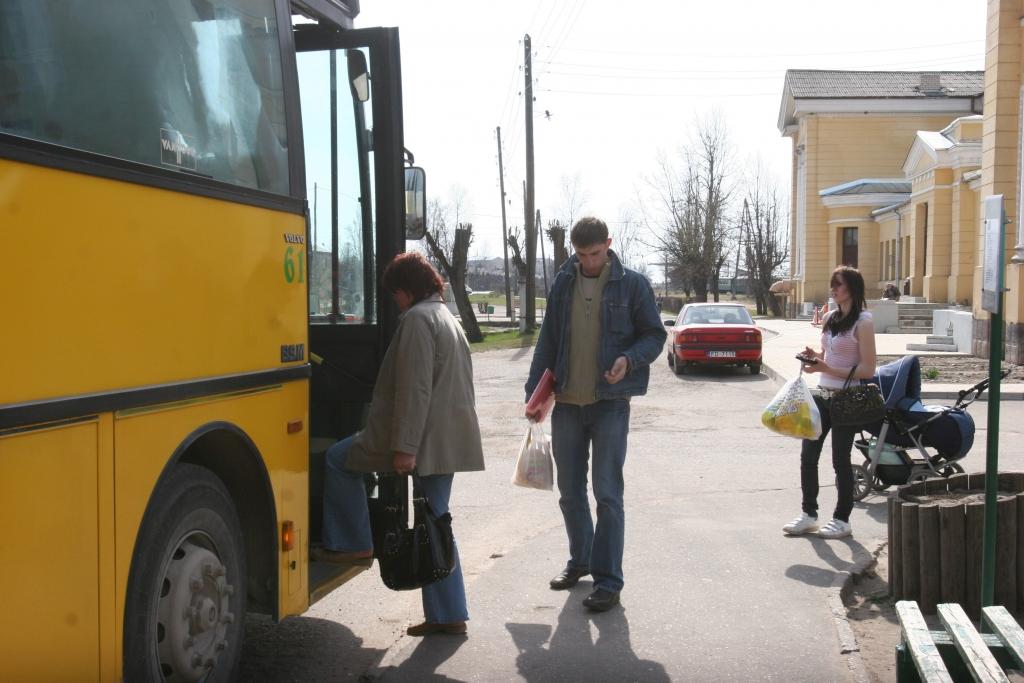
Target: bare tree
691, 224
628, 242
557, 233
766, 241
449, 251
574, 198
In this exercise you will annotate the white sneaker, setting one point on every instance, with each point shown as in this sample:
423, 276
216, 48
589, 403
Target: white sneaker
837, 528
801, 525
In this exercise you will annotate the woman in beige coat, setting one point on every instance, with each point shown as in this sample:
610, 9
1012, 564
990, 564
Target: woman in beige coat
422, 420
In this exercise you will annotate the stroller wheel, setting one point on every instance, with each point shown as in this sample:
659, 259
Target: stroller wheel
878, 484
861, 485
951, 469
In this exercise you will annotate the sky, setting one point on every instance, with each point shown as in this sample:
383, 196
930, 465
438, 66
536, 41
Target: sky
618, 85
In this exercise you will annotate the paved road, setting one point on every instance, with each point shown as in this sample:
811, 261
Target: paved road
714, 591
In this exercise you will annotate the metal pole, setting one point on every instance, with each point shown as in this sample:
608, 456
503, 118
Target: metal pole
993, 212
543, 258
504, 228
988, 560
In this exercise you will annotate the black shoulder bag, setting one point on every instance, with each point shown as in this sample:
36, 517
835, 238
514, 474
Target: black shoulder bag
857, 405
409, 558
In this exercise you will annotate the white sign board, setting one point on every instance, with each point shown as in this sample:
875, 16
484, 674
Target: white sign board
992, 270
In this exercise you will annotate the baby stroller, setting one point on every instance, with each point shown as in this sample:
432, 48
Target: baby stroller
914, 441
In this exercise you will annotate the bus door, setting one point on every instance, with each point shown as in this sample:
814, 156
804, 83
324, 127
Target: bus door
351, 111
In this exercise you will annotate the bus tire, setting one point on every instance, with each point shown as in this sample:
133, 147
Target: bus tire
185, 605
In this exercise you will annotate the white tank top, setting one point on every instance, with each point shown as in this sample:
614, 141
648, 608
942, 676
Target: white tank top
841, 351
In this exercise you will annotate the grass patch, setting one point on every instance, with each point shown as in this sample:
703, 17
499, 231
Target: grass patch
931, 373
508, 339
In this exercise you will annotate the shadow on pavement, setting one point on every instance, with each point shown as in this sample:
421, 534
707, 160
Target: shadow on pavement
706, 373
302, 649
816, 575
573, 654
430, 653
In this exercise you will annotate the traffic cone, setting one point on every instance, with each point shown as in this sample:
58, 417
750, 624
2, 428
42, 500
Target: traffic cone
816, 321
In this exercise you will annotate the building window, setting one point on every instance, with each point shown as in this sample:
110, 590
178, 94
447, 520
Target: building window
850, 247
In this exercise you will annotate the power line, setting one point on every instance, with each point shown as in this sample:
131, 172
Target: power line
704, 55
656, 94
682, 75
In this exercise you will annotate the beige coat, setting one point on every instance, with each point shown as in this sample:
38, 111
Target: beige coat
424, 401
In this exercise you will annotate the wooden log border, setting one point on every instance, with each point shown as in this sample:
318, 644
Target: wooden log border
935, 548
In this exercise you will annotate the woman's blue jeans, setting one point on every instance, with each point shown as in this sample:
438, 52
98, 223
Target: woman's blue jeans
577, 433
347, 529
842, 453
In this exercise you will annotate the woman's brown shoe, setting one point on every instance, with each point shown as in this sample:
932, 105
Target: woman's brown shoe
456, 628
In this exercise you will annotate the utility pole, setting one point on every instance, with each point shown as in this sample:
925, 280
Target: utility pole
739, 245
504, 228
531, 231
543, 258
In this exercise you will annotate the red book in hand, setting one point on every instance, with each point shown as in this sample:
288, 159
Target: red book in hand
543, 396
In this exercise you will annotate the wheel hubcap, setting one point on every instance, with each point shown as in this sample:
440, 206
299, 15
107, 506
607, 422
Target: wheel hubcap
194, 612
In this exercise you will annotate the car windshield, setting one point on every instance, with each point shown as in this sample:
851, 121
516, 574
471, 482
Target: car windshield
717, 315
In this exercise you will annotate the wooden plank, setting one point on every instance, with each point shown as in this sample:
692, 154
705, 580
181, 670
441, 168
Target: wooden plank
1009, 632
919, 642
896, 549
951, 549
1020, 555
1006, 551
982, 665
928, 539
911, 552
974, 528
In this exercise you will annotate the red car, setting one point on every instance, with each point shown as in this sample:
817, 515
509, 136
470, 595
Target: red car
714, 334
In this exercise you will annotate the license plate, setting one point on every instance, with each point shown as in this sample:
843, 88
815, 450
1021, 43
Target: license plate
721, 354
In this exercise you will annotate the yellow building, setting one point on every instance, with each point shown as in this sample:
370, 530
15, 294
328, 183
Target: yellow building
872, 180
1002, 152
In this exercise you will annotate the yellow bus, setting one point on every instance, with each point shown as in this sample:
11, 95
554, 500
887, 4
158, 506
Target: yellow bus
196, 198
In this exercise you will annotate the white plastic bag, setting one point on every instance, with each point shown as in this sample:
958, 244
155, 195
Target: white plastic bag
793, 411
535, 467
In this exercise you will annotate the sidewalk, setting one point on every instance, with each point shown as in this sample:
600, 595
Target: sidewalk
786, 338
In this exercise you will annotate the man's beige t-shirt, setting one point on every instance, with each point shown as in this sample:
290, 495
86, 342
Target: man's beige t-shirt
584, 338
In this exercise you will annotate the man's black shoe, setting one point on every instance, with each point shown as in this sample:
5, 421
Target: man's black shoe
568, 578
601, 600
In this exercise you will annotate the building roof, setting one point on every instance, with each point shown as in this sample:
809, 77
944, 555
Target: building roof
808, 91
831, 84
867, 186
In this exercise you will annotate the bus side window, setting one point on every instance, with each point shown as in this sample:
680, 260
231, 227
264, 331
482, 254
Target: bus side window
339, 166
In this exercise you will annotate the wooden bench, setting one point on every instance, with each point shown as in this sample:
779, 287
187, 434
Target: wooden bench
959, 653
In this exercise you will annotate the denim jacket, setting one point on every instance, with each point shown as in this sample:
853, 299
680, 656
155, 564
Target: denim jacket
630, 326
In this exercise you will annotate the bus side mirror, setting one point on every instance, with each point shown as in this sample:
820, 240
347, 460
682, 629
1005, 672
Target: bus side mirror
415, 203
358, 75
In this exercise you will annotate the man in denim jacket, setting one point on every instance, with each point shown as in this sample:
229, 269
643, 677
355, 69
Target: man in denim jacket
600, 334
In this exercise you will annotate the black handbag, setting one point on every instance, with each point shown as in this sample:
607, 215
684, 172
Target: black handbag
857, 405
414, 557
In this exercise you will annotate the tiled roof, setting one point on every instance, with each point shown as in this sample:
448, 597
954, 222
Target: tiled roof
840, 84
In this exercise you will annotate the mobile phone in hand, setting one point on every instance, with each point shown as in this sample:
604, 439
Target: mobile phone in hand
806, 359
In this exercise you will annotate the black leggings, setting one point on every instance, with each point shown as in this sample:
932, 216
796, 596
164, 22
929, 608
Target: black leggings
810, 453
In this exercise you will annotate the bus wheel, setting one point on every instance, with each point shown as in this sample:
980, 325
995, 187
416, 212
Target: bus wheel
185, 608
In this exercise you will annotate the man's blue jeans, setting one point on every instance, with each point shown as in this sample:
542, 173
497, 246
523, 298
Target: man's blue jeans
347, 529
577, 433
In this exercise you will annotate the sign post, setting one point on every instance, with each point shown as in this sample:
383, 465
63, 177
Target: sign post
993, 275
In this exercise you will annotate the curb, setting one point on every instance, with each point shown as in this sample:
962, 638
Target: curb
840, 589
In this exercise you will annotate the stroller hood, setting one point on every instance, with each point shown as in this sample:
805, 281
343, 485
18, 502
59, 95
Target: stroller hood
898, 380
